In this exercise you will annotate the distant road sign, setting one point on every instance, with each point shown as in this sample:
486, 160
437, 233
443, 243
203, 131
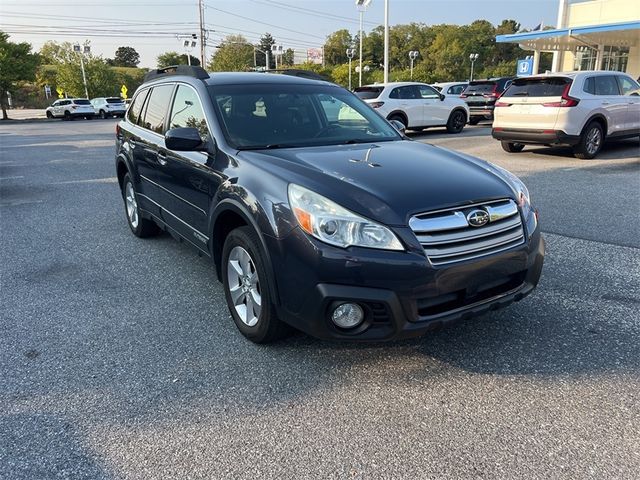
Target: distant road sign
60, 92
525, 67
123, 91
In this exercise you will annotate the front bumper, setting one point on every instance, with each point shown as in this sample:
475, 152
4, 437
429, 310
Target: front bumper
402, 294
535, 137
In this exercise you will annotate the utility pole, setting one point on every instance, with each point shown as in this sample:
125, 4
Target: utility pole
82, 50
202, 39
386, 41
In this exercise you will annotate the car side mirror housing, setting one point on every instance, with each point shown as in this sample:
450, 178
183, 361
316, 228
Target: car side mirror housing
184, 140
398, 125
442, 97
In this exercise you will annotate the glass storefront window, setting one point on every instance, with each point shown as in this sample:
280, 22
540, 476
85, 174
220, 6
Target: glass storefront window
615, 58
585, 58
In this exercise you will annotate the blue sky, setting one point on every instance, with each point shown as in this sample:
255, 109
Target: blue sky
297, 24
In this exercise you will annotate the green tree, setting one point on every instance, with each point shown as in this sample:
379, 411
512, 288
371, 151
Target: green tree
234, 54
335, 48
17, 64
101, 79
288, 57
266, 42
126, 57
167, 59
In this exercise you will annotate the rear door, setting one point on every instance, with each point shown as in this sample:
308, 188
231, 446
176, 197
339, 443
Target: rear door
631, 92
409, 100
532, 103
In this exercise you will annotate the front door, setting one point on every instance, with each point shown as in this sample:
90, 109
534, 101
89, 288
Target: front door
631, 92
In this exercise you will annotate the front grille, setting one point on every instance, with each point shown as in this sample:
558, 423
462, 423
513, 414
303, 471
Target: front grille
447, 237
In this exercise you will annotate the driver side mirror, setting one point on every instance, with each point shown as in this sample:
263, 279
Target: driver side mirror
398, 125
442, 96
184, 140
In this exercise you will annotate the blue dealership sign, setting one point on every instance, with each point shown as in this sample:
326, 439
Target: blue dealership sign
525, 67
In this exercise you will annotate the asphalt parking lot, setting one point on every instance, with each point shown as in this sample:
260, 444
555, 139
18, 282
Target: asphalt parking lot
118, 358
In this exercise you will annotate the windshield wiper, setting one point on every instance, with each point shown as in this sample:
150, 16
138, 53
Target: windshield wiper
266, 147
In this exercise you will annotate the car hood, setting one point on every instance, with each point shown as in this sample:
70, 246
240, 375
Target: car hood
386, 181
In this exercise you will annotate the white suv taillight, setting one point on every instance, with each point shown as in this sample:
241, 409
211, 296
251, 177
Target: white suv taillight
565, 100
376, 104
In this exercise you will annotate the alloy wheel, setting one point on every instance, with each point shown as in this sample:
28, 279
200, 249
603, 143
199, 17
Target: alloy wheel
244, 286
132, 205
594, 140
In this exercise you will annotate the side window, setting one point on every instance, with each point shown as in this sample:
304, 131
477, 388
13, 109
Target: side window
590, 86
136, 107
606, 85
395, 93
408, 92
187, 112
157, 107
628, 86
457, 90
428, 92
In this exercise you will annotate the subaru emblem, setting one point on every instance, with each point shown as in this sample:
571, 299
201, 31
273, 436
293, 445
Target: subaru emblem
478, 218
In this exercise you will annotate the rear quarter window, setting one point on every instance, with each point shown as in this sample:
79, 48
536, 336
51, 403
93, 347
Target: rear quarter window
547, 87
136, 107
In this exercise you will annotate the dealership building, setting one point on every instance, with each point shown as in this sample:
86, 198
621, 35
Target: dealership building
590, 35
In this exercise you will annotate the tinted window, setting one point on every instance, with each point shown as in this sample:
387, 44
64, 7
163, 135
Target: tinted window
187, 112
536, 87
136, 107
590, 85
481, 87
628, 86
82, 102
114, 100
280, 116
606, 85
368, 93
456, 90
157, 106
409, 92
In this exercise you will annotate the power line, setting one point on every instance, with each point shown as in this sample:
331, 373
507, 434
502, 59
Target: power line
310, 12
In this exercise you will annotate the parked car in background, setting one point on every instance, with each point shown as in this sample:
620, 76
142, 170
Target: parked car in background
416, 105
317, 213
481, 96
70, 108
450, 88
578, 109
109, 106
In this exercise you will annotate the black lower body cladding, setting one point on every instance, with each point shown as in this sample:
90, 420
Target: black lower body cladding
401, 293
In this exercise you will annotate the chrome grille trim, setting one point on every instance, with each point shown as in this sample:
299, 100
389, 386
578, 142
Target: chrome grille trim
447, 237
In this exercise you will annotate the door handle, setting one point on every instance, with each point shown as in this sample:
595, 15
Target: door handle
605, 103
162, 158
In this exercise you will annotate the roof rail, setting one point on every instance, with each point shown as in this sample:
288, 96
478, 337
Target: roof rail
297, 72
187, 70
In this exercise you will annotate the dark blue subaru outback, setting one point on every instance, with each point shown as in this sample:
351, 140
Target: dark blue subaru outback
318, 213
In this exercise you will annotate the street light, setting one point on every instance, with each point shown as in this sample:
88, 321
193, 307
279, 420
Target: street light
82, 50
473, 57
189, 45
413, 54
362, 6
350, 53
277, 50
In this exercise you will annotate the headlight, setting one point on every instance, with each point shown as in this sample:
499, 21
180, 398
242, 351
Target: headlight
524, 199
330, 223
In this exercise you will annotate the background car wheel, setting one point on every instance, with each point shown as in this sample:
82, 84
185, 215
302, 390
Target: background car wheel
456, 122
247, 289
141, 227
591, 142
473, 121
103, 114
399, 118
49, 115
67, 115
512, 147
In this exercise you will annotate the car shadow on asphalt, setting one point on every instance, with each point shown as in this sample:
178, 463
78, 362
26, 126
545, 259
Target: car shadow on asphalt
612, 150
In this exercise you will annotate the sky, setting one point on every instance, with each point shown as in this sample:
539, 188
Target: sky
151, 26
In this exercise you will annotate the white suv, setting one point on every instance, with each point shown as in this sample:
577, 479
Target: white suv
68, 108
579, 109
416, 105
109, 106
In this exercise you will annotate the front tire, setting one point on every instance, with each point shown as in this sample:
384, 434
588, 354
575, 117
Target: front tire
457, 121
474, 121
103, 114
247, 289
67, 115
49, 115
512, 147
591, 142
141, 227
400, 119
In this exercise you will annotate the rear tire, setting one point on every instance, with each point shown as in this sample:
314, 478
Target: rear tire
591, 142
103, 114
141, 227
67, 115
512, 147
399, 118
457, 121
473, 121
49, 115
247, 289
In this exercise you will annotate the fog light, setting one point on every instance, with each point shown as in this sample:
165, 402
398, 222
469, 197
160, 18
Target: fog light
347, 315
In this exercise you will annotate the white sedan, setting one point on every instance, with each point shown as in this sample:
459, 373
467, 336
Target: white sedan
416, 105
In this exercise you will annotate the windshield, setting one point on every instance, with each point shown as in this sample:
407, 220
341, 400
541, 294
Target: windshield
368, 93
538, 87
279, 116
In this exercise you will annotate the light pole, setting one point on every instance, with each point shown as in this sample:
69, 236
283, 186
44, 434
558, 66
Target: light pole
386, 41
189, 45
350, 53
82, 50
277, 50
473, 57
362, 6
413, 54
